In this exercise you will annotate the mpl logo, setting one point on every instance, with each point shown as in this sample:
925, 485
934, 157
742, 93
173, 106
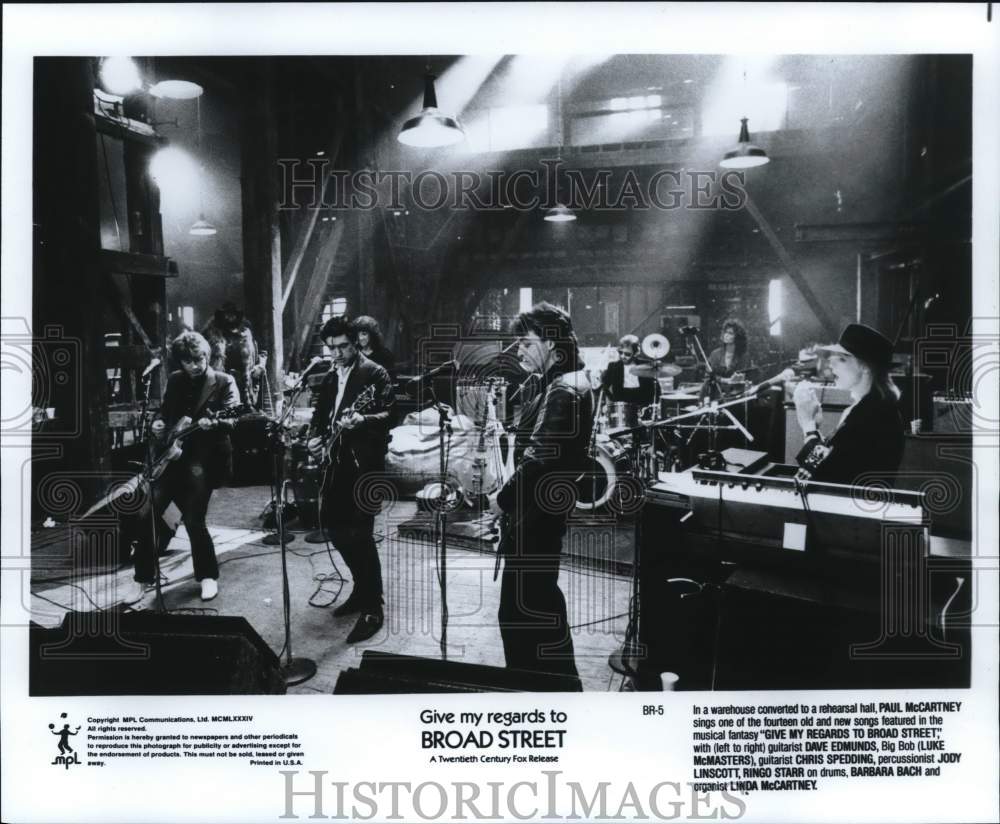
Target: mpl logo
67, 755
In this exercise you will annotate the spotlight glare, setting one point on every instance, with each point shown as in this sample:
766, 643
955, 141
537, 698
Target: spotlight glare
120, 75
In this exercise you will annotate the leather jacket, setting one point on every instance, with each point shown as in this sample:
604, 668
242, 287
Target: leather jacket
551, 452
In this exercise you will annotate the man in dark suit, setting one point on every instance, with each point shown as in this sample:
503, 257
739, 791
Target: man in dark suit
550, 453
193, 392
346, 513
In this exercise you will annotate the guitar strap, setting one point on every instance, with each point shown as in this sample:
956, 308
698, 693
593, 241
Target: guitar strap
209, 393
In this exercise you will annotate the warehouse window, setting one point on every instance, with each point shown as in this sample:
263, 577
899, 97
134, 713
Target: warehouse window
775, 306
334, 309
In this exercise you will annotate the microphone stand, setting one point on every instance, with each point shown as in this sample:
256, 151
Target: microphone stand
295, 670
443, 504
441, 515
277, 488
147, 481
278, 448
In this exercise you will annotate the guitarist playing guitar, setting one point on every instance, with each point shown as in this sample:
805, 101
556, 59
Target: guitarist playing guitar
194, 395
350, 430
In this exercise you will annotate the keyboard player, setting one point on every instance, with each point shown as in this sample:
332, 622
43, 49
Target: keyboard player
868, 441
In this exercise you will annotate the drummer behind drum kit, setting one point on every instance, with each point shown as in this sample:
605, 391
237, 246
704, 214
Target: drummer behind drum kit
626, 442
616, 448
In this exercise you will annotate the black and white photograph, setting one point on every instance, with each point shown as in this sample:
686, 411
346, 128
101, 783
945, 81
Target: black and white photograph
388, 379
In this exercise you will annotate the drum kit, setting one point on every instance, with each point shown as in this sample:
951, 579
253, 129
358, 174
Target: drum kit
632, 440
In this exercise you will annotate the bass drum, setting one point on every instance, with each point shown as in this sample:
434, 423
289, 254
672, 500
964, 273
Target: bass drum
598, 483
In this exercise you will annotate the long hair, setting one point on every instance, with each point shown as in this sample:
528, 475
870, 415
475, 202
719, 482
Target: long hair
739, 335
882, 384
366, 323
551, 322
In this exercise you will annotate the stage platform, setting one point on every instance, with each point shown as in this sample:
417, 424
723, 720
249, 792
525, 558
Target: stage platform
594, 577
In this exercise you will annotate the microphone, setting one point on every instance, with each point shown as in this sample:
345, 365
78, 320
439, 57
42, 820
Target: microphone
785, 375
309, 367
152, 365
433, 373
314, 362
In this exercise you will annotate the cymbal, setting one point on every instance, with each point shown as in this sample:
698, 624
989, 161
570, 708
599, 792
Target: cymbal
655, 346
655, 370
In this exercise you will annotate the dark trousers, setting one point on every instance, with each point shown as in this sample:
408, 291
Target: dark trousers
351, 533
532, 614
187, 485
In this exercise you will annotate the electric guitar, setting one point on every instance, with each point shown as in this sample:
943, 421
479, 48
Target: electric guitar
172, 447
331, 443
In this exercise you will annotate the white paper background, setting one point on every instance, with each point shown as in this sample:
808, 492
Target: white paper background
377, 738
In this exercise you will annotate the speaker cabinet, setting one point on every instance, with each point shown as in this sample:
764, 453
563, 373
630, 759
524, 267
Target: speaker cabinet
382, 673
147, 653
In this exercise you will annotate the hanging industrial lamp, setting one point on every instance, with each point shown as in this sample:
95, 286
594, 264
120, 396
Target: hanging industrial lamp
745, 155
176, 90
201, 227
431, 128
560, 214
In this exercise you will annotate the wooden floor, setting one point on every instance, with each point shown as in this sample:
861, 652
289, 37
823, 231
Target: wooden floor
250, 586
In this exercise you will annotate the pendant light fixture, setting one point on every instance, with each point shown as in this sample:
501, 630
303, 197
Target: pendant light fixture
201, 227
745, 155
431, 128
176, 90
121, 76
560, 213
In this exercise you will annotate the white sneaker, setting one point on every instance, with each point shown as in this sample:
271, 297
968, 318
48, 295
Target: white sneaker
135, 592
209, 588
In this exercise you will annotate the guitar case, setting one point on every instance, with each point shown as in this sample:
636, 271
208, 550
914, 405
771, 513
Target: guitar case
253, 463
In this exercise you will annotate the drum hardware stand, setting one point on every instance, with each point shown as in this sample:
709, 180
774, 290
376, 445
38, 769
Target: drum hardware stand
713, 459
592, 447
625, 660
